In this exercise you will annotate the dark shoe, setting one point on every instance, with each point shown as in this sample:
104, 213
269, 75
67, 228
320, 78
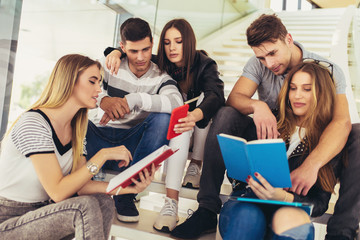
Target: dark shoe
126, 209
200, 222
336, 238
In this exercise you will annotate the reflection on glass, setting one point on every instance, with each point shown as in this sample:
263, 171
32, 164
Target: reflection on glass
9, 30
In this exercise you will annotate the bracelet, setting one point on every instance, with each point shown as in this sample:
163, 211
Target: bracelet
119, 189
121, 51
286, 195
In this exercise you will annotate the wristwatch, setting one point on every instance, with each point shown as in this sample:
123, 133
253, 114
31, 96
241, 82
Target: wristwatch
92, 167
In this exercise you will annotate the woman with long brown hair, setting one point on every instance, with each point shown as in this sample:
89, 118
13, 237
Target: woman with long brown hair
197, 76
306, 104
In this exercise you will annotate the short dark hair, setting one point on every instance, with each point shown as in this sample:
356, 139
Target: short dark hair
135, 29
266, 28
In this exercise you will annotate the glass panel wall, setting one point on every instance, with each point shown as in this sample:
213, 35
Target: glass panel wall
9, 30
49, 30
204, 16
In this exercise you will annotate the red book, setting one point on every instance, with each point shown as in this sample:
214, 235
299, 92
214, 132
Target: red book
176, 114
123, 179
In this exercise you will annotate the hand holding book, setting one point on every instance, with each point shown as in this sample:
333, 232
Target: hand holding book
181, 120
137, 170
264, 190
140, 184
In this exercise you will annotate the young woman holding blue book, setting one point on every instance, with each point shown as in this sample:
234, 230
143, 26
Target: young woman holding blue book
306, 103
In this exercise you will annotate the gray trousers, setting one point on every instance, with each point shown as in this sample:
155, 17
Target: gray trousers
82, 217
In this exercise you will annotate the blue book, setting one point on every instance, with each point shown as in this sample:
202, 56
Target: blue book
266, 156
307, 207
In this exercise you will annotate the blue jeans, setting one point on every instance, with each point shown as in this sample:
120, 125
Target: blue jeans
140, 140
243, 221
82, 217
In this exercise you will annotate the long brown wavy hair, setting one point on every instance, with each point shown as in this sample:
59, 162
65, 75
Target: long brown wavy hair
189, 50
316, 119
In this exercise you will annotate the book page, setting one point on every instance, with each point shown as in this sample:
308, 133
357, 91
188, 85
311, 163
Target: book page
129, 172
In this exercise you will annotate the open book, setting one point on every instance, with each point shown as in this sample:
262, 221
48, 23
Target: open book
307, 207
266, 156
123, 179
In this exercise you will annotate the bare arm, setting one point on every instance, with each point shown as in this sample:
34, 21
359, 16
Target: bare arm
146, 177
113, 61
240, 96
240, 99
331, 142
60, 187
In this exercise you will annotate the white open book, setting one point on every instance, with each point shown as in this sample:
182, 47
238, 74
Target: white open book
123, 179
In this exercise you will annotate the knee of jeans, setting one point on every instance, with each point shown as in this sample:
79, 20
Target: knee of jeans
106, 203
88, 203
159, 119
241, 215
287, 218
158, 123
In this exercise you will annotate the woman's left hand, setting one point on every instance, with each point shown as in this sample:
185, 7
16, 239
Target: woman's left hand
187, 123
145, 179
265, 190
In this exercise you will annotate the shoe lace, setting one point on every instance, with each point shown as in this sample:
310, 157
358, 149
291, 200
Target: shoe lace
193, 169
170, 207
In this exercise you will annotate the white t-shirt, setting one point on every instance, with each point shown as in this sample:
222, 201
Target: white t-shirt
32, 134
295, 140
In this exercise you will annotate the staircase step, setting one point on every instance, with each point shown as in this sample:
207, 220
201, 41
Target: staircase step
238, 44
144, 229
296, 37
230, 59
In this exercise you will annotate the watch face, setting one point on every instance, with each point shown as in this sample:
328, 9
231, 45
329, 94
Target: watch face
93, 169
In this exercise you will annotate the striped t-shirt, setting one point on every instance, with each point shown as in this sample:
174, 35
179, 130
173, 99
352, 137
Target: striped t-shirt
152, 92
32, 134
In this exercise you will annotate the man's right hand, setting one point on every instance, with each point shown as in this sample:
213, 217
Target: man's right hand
113, 61
114, 108
265, 122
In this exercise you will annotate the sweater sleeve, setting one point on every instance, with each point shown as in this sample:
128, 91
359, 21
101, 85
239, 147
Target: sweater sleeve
167, 98
213, 88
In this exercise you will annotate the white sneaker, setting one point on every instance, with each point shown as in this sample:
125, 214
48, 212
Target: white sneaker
192, 176
167, 219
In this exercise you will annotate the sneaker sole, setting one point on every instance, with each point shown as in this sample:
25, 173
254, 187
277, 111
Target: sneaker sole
190, 185
164, 229
128, 219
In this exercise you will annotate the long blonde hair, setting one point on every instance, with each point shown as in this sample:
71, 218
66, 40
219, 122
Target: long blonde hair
316, 119
57, 92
